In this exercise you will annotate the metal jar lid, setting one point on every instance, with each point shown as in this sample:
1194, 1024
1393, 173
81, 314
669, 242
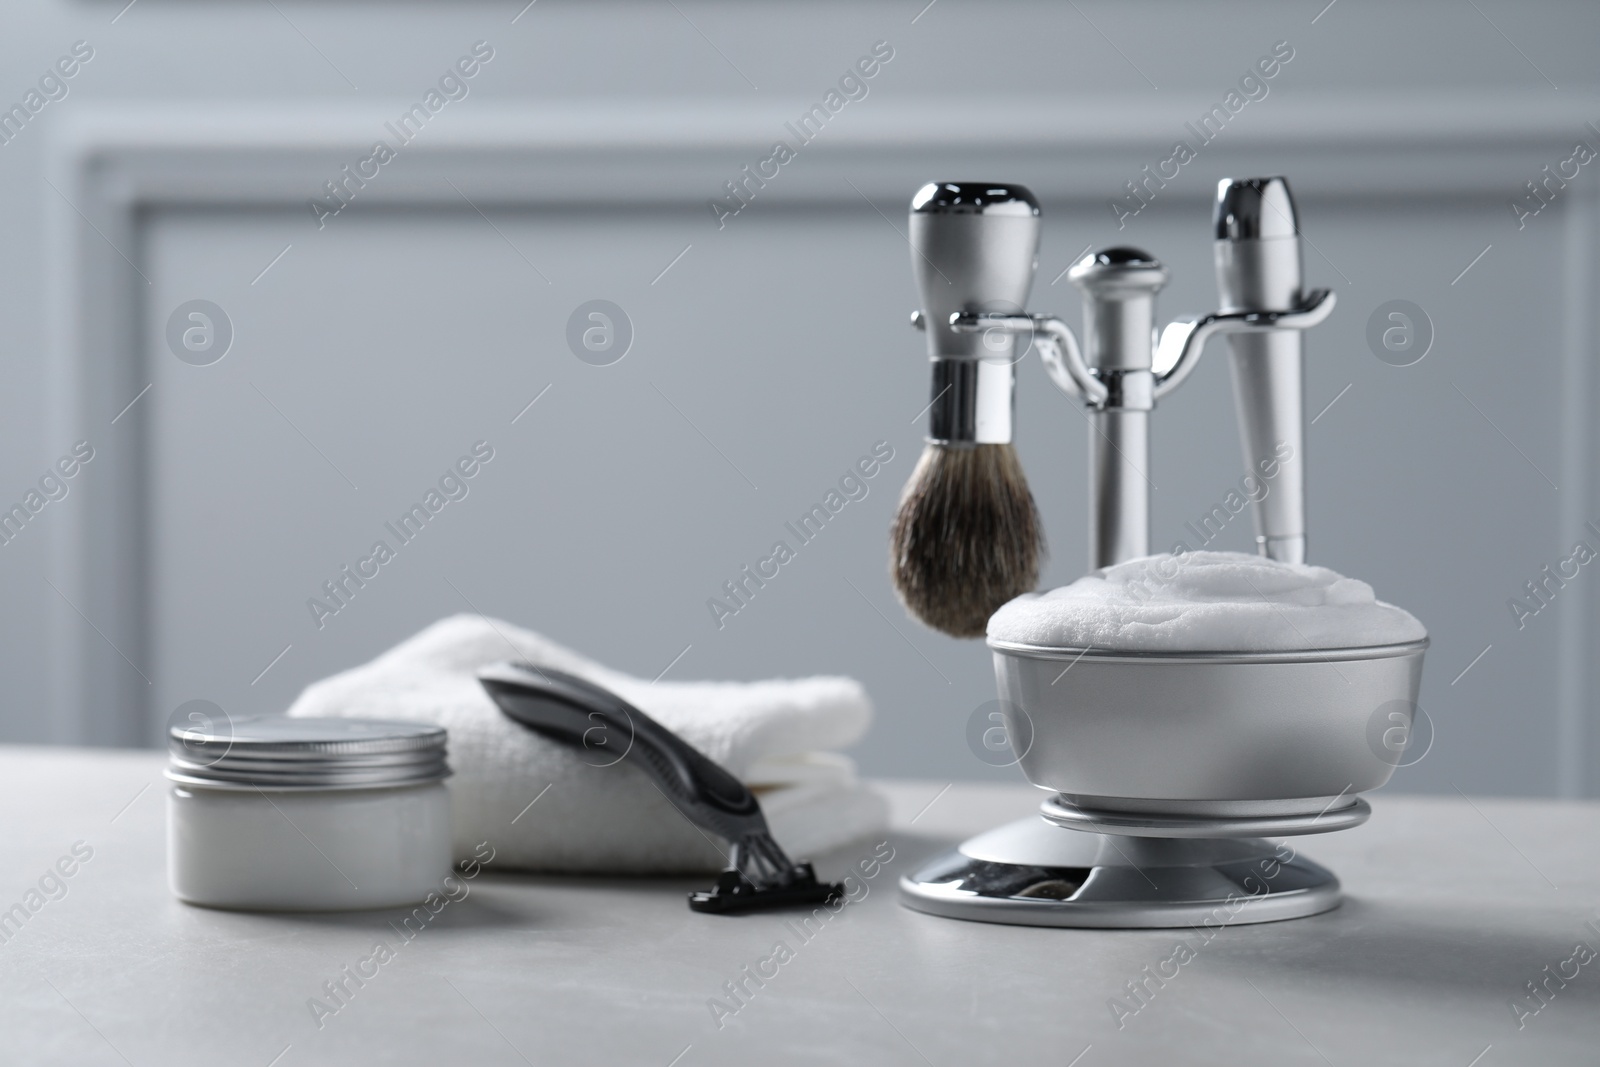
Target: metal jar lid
277, 752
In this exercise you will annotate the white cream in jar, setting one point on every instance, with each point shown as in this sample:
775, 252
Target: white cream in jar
281, 814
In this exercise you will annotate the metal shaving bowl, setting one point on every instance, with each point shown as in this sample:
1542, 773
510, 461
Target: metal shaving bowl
1208, 744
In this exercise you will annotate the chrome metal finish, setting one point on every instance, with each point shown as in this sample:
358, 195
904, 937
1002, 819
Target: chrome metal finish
1030, 873
1339, 813
276, 752
1119, 290
1112, 372
1209, 809
1166, 768
1249, 208
1258, 269
1129, 390
1119, 287
1278, 728
1057, 345
990, 199
1119, 462
972, 401
974, 248
1183, 339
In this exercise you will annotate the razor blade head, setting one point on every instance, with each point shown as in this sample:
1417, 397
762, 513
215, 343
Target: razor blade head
734, 893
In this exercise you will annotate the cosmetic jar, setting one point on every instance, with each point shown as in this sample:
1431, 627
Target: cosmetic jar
281, 814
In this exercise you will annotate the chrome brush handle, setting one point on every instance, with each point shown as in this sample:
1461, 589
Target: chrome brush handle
974, 247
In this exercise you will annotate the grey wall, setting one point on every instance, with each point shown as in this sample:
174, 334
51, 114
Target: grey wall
770, 356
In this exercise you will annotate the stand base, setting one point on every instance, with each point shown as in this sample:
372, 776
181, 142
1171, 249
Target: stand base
1033, 873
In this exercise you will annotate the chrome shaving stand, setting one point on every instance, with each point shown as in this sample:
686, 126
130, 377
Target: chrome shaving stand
1168, 772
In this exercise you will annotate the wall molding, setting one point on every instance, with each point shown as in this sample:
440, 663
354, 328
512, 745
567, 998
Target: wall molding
111, 164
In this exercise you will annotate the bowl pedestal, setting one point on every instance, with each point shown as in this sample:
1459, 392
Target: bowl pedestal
1276, 745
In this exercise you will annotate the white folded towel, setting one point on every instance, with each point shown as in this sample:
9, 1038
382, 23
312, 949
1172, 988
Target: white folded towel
775, 736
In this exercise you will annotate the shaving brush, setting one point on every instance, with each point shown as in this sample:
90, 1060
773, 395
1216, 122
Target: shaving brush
967, 537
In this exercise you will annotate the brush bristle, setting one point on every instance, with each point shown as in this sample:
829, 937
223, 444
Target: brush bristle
967, 537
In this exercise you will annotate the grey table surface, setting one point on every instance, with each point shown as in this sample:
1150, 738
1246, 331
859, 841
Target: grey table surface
1452, 906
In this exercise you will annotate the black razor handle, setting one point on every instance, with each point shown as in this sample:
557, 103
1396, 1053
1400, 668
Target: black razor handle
577, 712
